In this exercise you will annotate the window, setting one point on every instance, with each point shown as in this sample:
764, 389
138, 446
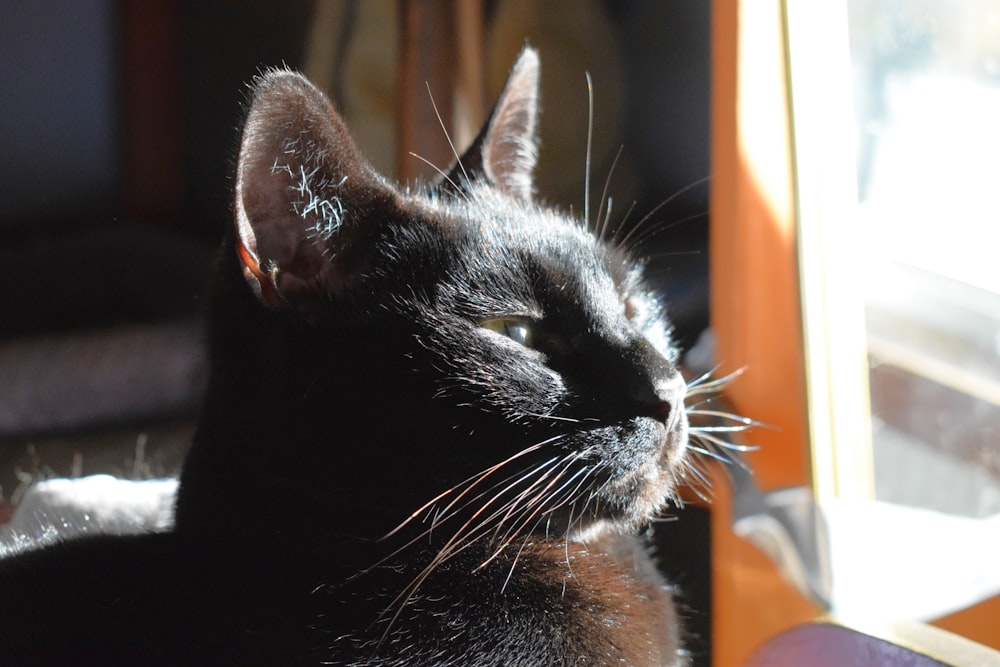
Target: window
919, 248
898, 289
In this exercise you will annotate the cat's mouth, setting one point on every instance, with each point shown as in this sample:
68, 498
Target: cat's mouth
576, 487
653, 483
635, 486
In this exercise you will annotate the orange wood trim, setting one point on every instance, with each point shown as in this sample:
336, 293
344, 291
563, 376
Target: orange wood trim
980, 622
755, 309
755, 283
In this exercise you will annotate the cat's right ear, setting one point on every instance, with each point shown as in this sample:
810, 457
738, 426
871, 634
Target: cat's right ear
303, 195
506, 150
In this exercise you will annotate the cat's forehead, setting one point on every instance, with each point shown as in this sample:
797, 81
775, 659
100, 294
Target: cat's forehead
531, 258
544, 239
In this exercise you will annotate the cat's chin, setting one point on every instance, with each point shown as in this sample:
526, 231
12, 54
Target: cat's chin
641, 496
675, 445
646, 492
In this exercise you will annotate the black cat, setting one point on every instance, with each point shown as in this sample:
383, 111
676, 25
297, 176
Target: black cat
435, 419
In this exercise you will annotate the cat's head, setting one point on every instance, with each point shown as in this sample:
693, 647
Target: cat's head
458, 344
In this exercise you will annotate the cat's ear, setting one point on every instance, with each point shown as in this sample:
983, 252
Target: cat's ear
303, 194
506, 150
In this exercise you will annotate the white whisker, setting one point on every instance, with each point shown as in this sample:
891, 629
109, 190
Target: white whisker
603, 225
624, 242
719, 429
447, 136
745, 422
439, 171
707, 452
590, 136
703, 383
649, 232
723, 444
474, 479
514, 564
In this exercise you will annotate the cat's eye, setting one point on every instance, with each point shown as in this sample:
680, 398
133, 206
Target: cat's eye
518, 329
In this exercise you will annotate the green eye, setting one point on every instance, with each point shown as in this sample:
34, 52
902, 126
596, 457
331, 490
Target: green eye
518, 329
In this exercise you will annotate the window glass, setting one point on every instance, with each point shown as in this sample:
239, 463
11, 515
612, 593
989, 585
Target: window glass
927, 99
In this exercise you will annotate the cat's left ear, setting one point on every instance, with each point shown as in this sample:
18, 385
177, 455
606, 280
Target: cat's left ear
306, 199
506, 150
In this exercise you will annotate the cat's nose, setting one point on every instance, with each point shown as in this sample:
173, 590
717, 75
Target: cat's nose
670, 395
660, 388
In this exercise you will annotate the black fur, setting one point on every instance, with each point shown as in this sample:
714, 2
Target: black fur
360, 371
